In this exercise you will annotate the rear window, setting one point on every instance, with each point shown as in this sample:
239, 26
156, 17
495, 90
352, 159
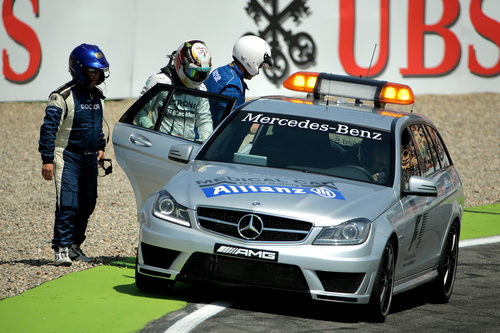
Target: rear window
306, 144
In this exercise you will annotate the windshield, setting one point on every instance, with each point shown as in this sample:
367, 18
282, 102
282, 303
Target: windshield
309, 145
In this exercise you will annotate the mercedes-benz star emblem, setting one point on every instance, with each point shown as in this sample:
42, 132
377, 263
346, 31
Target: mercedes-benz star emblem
250, 226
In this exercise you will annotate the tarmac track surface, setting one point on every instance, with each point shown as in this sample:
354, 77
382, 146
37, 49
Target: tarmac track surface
474, 306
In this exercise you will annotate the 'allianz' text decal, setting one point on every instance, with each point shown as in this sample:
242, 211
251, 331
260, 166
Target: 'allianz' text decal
225, 189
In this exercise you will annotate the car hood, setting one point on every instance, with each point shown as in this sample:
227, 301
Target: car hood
323, 200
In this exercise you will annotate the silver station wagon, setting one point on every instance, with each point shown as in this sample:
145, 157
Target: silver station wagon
336, 195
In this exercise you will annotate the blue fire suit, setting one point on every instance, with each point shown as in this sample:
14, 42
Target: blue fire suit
226, 80
70, 136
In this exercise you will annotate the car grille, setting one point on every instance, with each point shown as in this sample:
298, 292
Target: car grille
204, 267
275, 229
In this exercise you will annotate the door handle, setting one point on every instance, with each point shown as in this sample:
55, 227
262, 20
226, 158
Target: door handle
139, 140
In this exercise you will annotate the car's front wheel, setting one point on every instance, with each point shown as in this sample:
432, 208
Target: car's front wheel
151, 284
442, 287
381, 296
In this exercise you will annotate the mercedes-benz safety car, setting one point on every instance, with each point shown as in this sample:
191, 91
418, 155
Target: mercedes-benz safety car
344, 194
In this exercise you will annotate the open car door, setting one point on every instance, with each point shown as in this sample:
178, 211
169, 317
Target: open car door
152, 134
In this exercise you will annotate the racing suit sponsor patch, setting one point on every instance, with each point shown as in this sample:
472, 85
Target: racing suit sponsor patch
216, 75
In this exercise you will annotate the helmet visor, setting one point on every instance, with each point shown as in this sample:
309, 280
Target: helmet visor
197, 74
268, 61
104, 71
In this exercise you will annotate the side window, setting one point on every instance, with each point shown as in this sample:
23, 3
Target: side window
409, 161
432, 147
422, 144
176, 111
441, 151
148, 114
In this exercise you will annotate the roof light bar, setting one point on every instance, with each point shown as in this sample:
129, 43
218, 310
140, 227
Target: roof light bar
301, 81
350, 87
396, 93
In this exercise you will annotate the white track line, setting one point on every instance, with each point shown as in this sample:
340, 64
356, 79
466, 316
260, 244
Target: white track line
189, 322
479, 241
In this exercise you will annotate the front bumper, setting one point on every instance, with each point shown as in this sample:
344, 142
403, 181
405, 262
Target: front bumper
328, 273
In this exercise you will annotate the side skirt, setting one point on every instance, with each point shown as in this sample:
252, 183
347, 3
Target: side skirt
415, 280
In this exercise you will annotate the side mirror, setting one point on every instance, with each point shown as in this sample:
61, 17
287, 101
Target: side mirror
180, 153
421, 186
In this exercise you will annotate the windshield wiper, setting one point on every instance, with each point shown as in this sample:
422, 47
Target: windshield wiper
307, 171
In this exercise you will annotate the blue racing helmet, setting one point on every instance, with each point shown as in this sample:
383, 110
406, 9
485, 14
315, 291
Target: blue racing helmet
87, 56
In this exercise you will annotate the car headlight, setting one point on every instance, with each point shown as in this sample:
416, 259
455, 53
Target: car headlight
348, 233
165, 208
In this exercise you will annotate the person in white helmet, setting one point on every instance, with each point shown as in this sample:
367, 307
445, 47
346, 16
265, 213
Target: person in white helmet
250, 53
189, 66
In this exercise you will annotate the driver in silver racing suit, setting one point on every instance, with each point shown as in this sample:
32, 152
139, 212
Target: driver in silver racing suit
192, 65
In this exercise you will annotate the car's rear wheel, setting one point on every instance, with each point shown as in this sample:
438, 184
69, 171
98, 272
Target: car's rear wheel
442, 287
148, 283
381, 296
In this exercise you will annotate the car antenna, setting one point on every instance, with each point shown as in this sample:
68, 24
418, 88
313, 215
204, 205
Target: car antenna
358, 101
329, 92
371, 60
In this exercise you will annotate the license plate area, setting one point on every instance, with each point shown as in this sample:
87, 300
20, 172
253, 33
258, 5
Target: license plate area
246, 252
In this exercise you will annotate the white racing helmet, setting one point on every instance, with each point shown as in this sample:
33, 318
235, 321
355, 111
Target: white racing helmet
193, 63
252, 52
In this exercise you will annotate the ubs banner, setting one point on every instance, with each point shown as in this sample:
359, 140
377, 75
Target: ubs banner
435, 46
